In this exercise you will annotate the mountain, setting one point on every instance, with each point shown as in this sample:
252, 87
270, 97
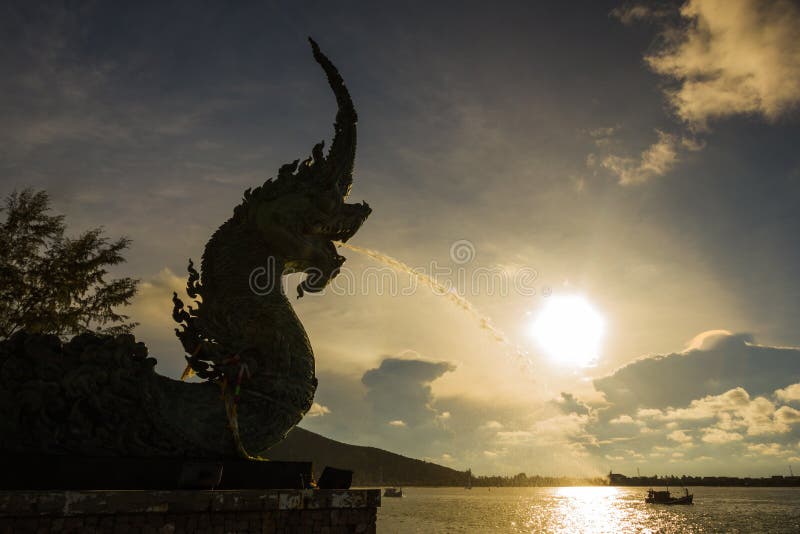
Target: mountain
371, 466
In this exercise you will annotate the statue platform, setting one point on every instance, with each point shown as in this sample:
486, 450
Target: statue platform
312, 511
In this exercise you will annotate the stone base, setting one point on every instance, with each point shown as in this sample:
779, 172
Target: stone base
141, 511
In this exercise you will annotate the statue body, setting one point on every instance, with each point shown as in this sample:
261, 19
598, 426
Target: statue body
100, 395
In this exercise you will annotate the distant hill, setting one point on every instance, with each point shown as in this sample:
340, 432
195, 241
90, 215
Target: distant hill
371, 466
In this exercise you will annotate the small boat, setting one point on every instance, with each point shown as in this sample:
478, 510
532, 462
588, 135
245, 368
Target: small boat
664, 497
393, 492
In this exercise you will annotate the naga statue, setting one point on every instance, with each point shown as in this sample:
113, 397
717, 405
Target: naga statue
98, 395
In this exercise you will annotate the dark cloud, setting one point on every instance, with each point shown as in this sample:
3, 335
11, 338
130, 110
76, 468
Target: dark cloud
391, 406
568, 404
677, 379
400, 389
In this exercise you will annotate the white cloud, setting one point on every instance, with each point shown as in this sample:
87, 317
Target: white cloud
789, 394
622, 420
715, 435
152, 309
706, 339
731, 58
397, 423
710, 406
656, 160
787, 415
152, 306
725, 58
634, 454
736, 410
318, 410
767, 449
680, 436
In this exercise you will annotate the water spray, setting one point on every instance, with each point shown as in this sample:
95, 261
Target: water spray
449, 293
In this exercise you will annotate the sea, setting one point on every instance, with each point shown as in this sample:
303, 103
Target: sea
588, 509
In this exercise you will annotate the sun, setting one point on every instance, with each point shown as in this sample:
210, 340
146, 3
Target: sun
569, 330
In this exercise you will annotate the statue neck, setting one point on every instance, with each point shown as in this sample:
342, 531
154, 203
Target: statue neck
237, 265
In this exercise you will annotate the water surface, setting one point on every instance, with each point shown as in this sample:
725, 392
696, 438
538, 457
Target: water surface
588, 509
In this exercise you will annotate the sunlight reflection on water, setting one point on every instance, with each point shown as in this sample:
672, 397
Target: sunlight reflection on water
588, 509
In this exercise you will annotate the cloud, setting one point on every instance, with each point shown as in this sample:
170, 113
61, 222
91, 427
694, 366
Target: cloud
514, 436
706, 339
630, 13
622, 420
390, 406
728, 363
786, 415
680, 436
399, 389
568, 403
789, 394
604, 136
648, 412
318, 410
730, 58
726, 396
656, 160
735, 409
152, 309
715, 435
720, 60
492, 425
768, 449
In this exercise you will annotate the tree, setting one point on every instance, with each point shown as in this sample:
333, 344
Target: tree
54, 284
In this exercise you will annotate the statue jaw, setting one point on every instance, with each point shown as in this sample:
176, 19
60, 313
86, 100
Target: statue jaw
327, 262
311, 249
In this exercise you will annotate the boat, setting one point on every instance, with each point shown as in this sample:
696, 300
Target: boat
664, 497
393, 492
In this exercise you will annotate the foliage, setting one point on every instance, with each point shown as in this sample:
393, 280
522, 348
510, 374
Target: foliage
50, 283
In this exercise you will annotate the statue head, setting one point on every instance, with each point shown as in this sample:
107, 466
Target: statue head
303, 211
300, 215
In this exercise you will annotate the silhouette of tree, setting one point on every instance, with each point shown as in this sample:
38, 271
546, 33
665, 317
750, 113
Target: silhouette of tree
54, 284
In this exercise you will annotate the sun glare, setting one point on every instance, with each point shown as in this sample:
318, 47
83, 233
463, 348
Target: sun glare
569, 330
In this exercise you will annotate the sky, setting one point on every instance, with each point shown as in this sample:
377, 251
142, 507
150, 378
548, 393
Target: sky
637, 158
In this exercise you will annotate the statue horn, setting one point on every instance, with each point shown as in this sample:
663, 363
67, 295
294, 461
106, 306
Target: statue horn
342, 154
